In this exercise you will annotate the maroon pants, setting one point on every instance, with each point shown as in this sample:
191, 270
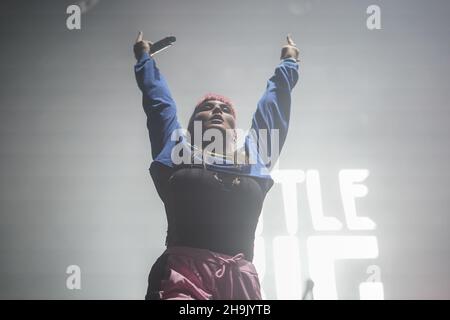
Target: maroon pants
199, 274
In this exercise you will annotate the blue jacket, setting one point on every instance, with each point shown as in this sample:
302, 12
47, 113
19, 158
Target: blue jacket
273, 112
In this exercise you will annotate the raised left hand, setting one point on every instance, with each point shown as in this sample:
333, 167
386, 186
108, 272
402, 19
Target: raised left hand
290, 50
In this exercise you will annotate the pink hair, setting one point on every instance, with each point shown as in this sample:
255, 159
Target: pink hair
218, 97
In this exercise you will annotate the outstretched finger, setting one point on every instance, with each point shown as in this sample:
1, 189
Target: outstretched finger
140, 36
290, 41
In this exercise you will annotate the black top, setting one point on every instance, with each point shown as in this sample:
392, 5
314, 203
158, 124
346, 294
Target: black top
210, 210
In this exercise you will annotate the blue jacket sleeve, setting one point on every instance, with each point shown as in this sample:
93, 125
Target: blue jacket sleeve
273, 112
158, 103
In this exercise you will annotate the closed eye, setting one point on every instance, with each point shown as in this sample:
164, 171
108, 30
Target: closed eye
207, 106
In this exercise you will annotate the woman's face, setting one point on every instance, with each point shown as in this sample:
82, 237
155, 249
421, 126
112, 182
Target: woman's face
215, 114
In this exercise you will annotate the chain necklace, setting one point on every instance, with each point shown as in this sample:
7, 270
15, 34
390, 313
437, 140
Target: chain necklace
236, 180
